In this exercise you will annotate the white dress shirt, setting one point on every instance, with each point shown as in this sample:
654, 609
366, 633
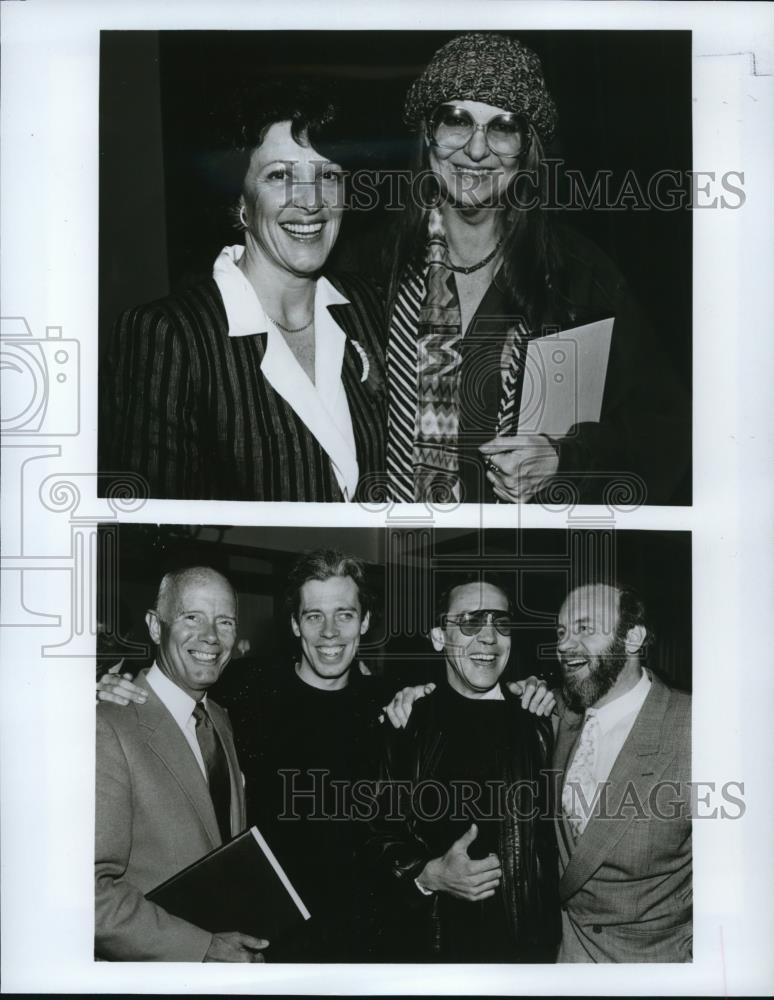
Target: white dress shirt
180, 706
321, 405
616, 719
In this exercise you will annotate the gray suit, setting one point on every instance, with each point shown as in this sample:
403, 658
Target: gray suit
154, 816
626, 886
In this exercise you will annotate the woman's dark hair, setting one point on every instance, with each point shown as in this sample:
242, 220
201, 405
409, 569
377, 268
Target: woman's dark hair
310, 109
316, 110
531, 263
322, 564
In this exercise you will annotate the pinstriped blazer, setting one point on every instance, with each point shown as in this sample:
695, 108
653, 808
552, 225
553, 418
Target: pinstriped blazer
186, 407
626, 885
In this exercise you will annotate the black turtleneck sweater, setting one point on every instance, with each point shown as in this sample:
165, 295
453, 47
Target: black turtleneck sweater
301, 756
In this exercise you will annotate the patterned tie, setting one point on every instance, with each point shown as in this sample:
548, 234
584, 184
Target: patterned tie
216, 765
424, 362
580, 785
439, 342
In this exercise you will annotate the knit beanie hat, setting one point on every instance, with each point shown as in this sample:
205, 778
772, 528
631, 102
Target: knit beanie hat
486, 67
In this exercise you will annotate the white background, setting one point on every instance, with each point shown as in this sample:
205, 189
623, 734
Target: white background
50, 88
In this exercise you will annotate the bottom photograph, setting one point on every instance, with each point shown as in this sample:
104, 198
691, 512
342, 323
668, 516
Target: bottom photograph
393, 745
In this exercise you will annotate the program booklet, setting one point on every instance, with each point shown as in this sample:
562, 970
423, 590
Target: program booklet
239, 886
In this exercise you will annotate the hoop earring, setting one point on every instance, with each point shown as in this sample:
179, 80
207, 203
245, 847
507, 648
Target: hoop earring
242, 216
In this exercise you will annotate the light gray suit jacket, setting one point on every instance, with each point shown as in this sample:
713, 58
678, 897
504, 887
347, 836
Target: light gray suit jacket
626, 886
154, 816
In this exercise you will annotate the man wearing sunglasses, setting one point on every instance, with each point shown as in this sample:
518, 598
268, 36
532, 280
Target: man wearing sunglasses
468, 872
623, 764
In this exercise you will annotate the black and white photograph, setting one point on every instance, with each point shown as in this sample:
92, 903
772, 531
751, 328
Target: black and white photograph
347, 265
459, 746
387, 489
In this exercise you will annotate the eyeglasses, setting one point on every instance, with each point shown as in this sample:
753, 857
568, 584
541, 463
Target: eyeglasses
471, 622
506, 134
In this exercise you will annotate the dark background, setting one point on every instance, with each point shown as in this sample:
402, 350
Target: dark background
624, 101
407, 568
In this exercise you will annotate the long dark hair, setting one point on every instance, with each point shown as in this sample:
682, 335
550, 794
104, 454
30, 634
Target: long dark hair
531, 269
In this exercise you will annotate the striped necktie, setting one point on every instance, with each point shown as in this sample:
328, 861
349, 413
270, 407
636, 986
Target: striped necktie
216, 765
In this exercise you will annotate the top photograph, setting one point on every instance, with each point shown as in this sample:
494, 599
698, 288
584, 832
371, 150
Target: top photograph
397, 266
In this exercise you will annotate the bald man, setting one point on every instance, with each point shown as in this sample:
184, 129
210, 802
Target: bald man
624, 753
623, 757
169, 789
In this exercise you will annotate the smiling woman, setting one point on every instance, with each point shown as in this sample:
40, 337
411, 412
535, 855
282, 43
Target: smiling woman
477, 272
265, 380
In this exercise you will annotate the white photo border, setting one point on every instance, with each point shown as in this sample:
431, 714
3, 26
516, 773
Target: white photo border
50, 91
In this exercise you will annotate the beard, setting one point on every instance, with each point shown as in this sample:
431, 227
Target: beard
582, 694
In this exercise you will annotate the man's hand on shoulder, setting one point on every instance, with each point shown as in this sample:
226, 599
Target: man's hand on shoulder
119, 688
536, 696
232, 946
459, 875
399, 709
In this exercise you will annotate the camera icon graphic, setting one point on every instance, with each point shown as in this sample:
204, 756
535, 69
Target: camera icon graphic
40, 381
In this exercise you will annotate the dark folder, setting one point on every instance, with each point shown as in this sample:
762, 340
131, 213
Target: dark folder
237, 887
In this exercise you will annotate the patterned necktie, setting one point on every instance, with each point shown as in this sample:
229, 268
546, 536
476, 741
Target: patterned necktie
216, 765
439, 342
424, 363
580, 785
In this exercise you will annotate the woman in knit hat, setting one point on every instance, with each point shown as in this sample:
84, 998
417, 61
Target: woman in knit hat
477, 271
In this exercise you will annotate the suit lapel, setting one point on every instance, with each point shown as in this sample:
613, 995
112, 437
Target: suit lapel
288, 380
170, 746
636, 768
364, 407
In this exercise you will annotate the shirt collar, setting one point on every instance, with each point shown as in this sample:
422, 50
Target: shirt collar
322, 406
628, 704
244, 312
493, 694
179, 704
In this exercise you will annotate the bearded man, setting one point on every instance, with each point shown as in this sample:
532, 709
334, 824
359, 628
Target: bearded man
623, 750
623, 759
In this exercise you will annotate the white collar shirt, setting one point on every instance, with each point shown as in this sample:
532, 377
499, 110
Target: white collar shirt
616, 720
321, 405
180, 706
